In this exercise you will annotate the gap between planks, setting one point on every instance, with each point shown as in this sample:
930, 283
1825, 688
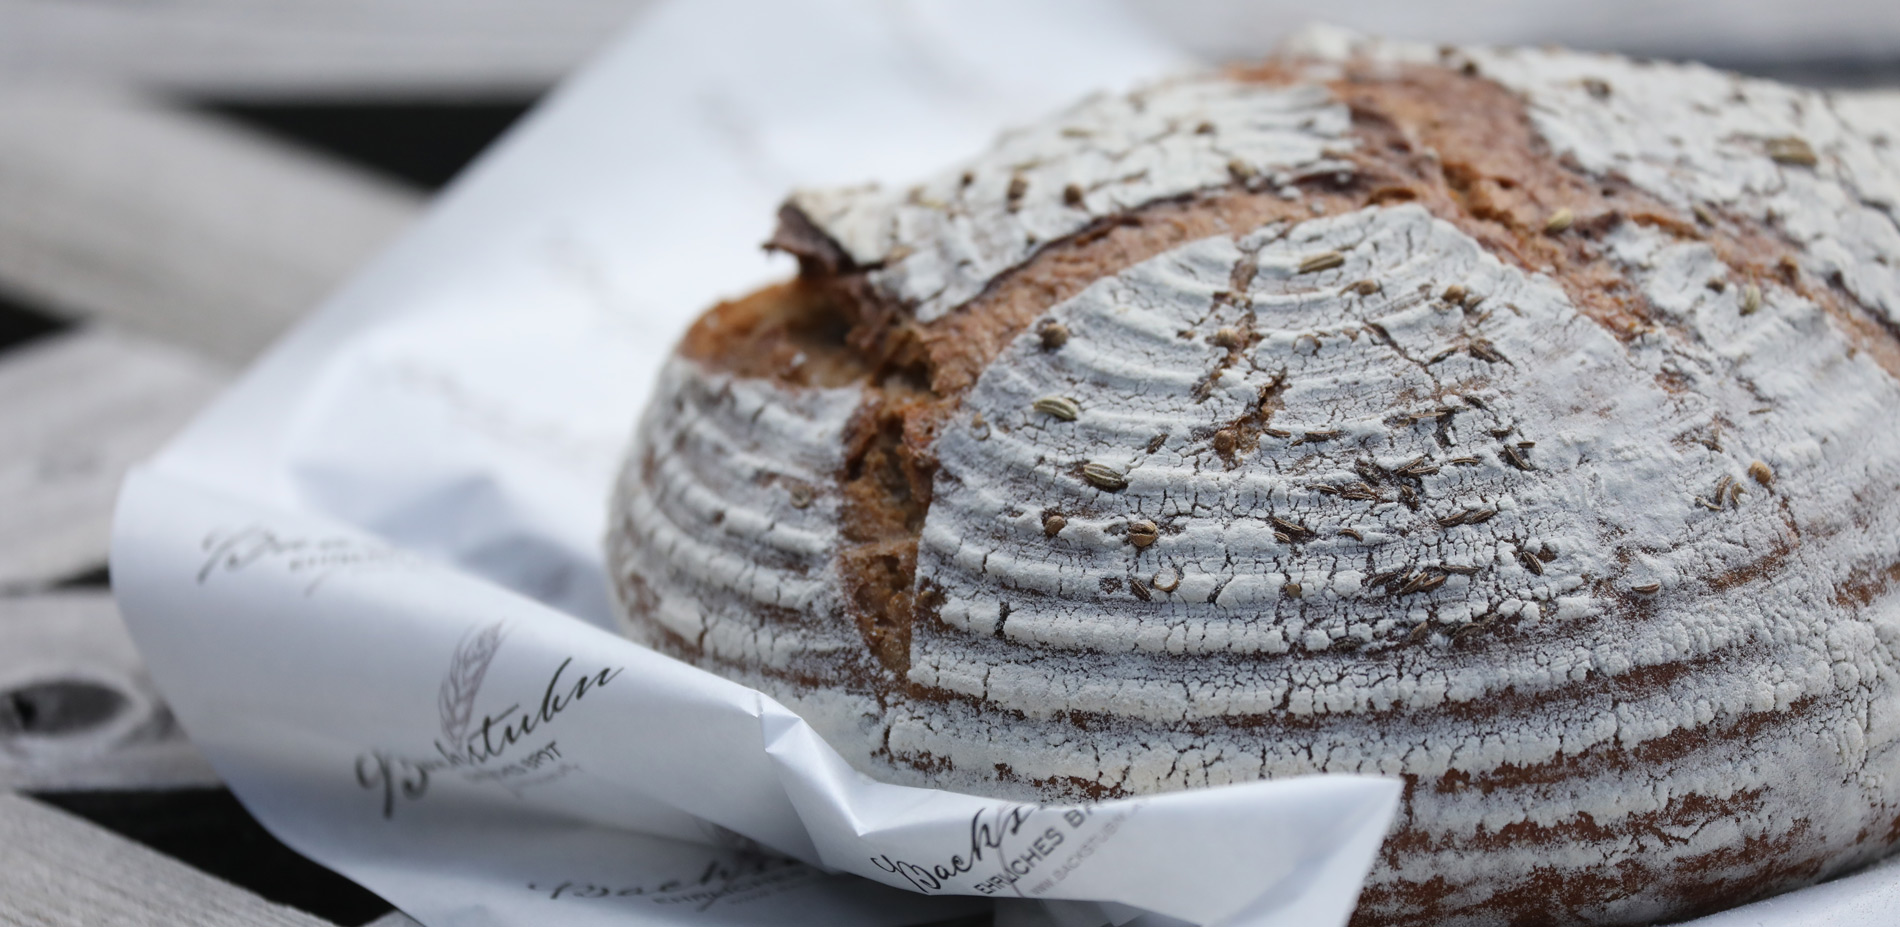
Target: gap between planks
57, 870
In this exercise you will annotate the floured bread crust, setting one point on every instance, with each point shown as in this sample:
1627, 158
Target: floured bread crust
1515, 423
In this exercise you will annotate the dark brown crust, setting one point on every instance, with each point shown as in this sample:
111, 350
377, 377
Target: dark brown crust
790, 332
818, 256
886, 482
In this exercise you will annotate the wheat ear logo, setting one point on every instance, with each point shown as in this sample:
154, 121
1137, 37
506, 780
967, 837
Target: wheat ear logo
510, 745
466, 670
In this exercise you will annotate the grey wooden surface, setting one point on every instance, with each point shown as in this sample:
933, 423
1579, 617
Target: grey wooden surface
77, 409
335, 48
407, 47
182, 245
115, 206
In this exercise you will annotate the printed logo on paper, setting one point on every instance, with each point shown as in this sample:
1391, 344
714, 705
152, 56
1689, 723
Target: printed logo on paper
512, 745
1020, 850
313, 560
737, 879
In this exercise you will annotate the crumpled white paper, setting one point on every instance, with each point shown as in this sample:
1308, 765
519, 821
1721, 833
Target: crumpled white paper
368, 579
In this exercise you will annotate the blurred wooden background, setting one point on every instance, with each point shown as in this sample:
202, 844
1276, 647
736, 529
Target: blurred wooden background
180, 180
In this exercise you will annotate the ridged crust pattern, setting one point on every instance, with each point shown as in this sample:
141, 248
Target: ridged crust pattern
1356, 494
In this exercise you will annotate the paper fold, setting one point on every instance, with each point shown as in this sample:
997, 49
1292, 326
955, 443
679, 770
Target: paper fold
388, 713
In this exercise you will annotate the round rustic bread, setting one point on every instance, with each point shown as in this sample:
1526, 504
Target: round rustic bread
1517, 423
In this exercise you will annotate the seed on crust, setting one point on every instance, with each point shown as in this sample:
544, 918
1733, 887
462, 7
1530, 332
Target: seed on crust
1103, 476
1142, 533
1166, 581
1751, 299
1225, 440
1293, 590
1061, 407
1293, 528
1054, 335
1517, 458
1647, 588
1227, 337
1417, 582
1792, 149
1325, 260
1559, 221
1241, 170
1530, 562
1141, 591
1454, 294
1761, 473
1072, 195
801, 494
1484, 351
1364, 287
1053, 524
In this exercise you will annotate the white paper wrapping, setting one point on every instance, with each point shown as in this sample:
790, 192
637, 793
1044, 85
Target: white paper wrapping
369, 580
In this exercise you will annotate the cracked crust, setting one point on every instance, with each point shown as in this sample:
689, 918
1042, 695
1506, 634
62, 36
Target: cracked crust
1516, 423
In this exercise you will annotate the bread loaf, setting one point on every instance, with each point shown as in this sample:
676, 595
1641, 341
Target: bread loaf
1518, 423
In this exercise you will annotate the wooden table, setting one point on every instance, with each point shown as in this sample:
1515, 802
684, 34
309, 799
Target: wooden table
151, 243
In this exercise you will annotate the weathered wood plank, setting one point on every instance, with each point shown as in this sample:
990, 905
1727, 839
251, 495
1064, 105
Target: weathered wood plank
59, 871
76, 410
1734, 31
332, 47
77, 710
176, 223
409, 47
